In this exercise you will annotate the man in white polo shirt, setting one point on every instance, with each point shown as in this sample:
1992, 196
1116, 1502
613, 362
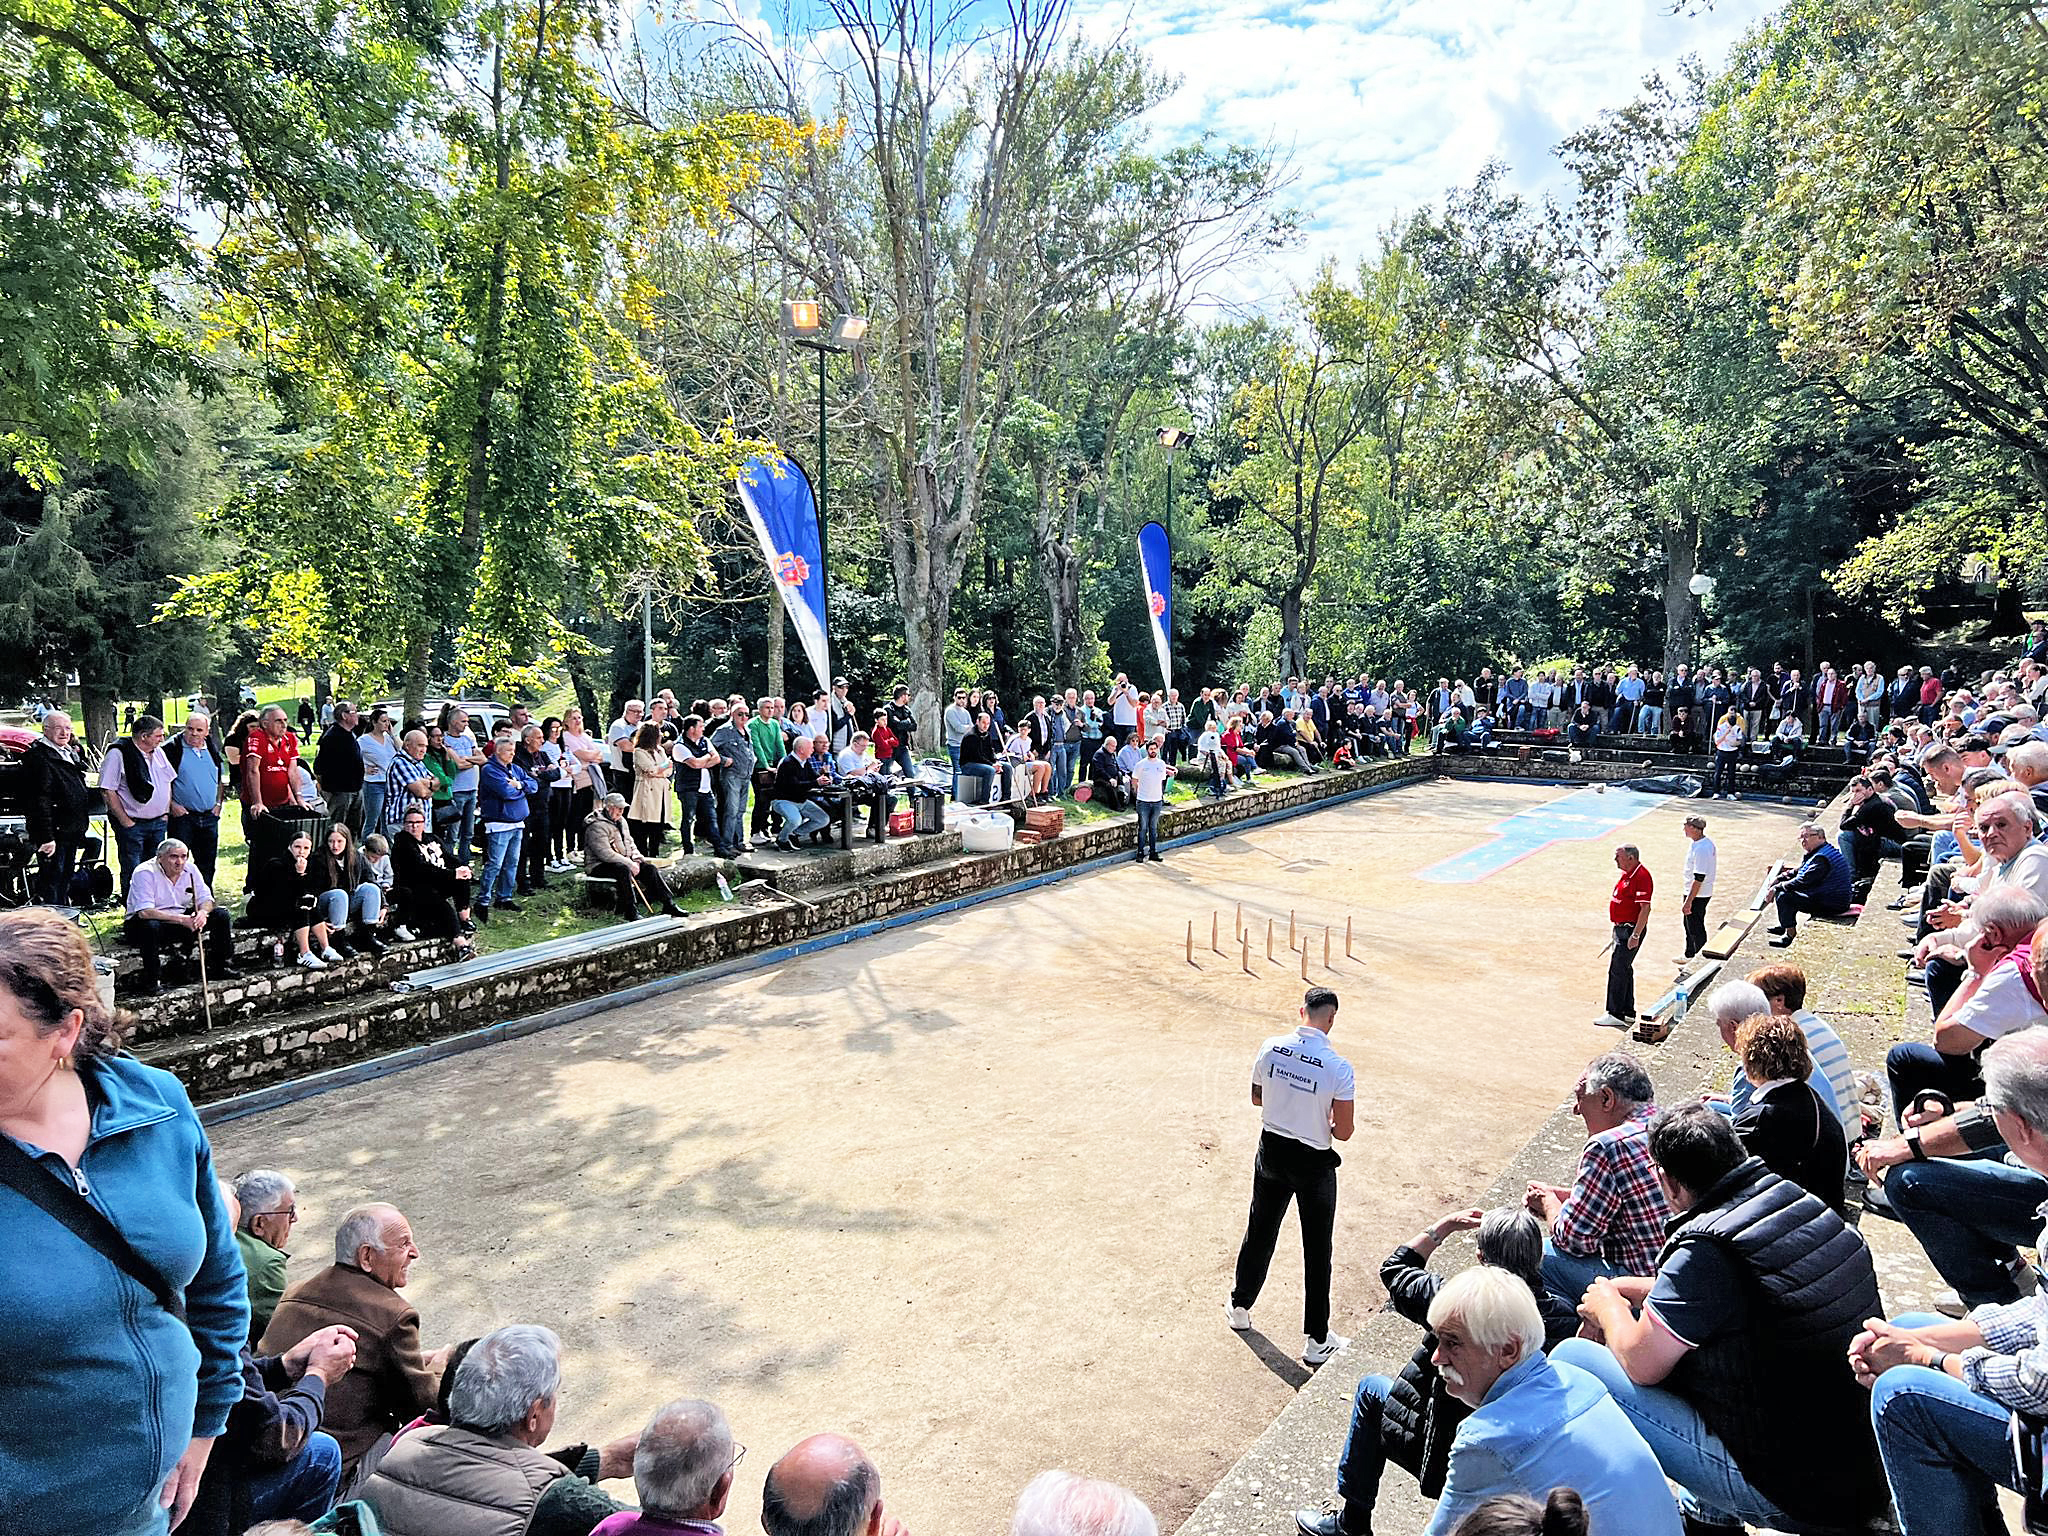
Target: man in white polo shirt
1303, 1088
1696, 885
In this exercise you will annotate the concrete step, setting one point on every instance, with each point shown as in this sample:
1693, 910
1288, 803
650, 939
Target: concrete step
266, 989
272, 1049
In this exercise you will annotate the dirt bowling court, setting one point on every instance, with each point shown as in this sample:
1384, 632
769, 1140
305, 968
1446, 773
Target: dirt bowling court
971, 1189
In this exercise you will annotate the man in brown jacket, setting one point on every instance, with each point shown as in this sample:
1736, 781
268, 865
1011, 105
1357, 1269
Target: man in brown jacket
609, 854
392, 1381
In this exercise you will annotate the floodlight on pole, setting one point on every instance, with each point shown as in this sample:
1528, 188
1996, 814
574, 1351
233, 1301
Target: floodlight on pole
1172, 439
803, 322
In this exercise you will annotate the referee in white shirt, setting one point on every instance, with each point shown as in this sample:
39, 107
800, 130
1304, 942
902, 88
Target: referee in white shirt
1304, 1090
1696, 885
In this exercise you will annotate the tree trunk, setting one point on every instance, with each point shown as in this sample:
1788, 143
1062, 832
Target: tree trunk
417, 660
924, 652
778, 643
97, 707
1681, 608
1293, 655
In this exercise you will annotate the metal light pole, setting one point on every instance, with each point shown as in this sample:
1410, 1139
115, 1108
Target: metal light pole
647, 638
803, 323
1172, 439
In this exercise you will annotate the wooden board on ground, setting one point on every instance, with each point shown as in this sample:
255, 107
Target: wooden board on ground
1724, 940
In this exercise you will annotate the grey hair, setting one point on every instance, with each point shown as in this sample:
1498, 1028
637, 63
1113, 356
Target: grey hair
615, 798
1496, 1308
683, 1452
173, 845
504, 1374
2021, 804
1734, 1001
1511, 1238
1059, 1503
1815, 828
260, 1190
1630, 849
198, 714
272, 709
2016, 1076
361, 1228
844, 1510
2010, 911
1622, 1075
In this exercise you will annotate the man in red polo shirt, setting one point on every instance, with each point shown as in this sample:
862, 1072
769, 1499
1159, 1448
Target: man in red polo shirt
1628, 909
267, 764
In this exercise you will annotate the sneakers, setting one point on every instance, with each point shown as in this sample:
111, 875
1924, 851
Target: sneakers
1322, 1522
510, 906
1784, 940
403, 934
1316, 1351
311, 962
1609, 1021
1240, 1317
331, 955
1949, 1304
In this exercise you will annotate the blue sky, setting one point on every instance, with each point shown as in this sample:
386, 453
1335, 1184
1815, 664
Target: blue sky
1386, 103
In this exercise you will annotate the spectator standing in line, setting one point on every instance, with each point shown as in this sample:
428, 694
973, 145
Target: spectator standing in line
1303, 1090
1831, 704
120, 1335
379, 748
696, 785
410, 784
135, 783
1628, 699
1697, 886
1628, 913
197, 791
461, 745
1123, 707
170, 906
269, 1204
1870, 692
1755, 698
339, 770
505, 800
1149, 779
959, 723
903, 725
647, 807
57, 804
734, 744
1611, 1221
619, 737
765, 735
534, 759
587, 780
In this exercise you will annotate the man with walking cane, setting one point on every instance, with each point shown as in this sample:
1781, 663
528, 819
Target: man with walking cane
609, 854
1628, 910
1303, 1090
170, 907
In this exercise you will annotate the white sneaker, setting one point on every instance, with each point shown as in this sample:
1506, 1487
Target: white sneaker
1240, 1317
1609, 1021
330, 955
402, 933
311, 962
1316, 1351
1949, 1304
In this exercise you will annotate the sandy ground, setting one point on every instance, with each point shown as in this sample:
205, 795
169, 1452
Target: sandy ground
971, 1190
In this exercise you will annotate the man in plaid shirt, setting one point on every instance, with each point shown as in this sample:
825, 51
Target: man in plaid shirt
1611, 1221
1943, 1394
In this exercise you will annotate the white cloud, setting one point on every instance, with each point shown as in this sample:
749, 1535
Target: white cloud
1384, 104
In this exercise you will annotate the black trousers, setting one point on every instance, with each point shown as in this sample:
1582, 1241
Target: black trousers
1696, 926
653, 892
153, 936
1621, 975
1287, 1170
533, 847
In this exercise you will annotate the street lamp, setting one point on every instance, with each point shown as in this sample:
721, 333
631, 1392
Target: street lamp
1172, 439
803, 322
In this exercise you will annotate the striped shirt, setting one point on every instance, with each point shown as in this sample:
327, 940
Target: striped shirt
1834, 1076
2011, 1366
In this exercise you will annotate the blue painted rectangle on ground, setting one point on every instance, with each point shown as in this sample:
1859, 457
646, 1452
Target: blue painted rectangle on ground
1579, 817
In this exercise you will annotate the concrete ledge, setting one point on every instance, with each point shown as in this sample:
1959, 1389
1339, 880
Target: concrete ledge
812, 870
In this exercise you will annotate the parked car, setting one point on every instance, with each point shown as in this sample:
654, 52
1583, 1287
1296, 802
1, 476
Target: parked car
484, 714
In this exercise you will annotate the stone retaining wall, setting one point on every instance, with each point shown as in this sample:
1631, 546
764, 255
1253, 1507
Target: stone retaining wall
233, 1061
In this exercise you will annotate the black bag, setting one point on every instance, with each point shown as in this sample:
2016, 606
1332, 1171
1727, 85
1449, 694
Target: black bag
2027, 1434
21, 1173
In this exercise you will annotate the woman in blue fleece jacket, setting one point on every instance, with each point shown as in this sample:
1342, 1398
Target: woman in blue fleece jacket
109, 1404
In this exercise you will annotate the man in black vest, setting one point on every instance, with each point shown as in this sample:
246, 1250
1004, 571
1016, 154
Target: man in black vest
1736, 1368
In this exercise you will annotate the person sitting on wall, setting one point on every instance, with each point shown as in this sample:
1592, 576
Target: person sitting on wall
1109, 785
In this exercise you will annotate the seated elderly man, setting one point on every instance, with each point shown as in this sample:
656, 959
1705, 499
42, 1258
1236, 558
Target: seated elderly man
1410, 1421
825, 1486
1944, 1393
682, 1473
1998, 994
484, 1469
392, 1381
1611, 1221
1060, 1504
2005, 826
1735, 1368
1108, 783
1823, 885
170, 907
1536, 1424
269, 1204
609, 853
1781, 989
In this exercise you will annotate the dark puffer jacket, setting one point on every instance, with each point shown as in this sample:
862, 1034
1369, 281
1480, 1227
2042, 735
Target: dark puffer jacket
1421, 1416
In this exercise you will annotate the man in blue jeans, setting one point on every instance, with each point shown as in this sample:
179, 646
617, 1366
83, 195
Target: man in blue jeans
1943, 1393
135, 781
502, 792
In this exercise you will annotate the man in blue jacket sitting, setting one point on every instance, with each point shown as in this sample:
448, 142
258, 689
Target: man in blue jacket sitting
1823, 885
1536, 1424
